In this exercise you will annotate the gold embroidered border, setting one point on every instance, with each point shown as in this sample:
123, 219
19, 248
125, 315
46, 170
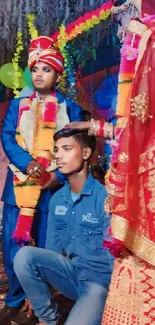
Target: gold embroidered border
138, 244
147, 160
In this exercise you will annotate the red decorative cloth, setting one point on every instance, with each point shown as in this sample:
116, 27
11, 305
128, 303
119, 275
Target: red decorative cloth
133, 175
42, 49
148, 8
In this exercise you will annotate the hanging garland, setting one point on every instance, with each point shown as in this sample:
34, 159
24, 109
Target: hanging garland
15, 62
61, 38
61, 42
84, 23
19, 48
31, 26
68, 73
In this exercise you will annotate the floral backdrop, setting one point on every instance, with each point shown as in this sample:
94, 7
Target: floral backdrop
50, 14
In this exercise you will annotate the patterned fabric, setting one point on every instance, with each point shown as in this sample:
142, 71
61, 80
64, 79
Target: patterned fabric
131, 297
38, 141
133, 172
42, 49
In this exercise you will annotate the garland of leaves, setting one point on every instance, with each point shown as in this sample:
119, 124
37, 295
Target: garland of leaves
15, 62
86, 22
31, 26
66, 34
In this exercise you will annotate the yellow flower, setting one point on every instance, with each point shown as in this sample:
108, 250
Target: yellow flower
83, 26
95, 20
15, 62
104, 14
89, 23
32, 29
78, 29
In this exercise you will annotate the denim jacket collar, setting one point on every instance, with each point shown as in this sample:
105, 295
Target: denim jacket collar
87, 188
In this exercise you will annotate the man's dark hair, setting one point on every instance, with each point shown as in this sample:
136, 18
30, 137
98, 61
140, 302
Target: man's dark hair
86, 115
81, 137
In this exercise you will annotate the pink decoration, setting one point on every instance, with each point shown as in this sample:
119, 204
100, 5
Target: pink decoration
115, 247
129, 52
51, 108
23, 228
44, 162
126, 65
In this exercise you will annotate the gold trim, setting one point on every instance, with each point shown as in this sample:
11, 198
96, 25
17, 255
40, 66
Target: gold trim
138, 244
142, 47
121, 123
27, 212
108, 130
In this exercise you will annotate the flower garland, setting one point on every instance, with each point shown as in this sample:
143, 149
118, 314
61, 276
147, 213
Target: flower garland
61, 43
15, 61
31, 26
129, 53
66, 34
19, 48
83, 24
27, 192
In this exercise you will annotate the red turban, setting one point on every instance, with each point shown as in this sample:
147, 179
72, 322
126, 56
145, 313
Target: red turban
42, 49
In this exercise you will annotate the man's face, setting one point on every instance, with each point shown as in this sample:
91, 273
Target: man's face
44, 77
69, 155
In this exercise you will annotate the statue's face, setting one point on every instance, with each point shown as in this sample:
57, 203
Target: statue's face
137, 4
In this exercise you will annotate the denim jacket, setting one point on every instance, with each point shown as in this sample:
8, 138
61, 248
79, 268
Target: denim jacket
78, 229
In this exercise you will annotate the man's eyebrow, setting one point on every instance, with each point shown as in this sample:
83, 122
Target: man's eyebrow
63, 146
67, 145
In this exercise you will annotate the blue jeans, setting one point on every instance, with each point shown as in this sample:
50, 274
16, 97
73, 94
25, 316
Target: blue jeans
37, 269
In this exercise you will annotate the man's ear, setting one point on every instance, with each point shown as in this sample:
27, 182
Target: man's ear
87, 152
58, 78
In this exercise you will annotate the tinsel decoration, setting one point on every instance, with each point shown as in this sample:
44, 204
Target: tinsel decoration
62, 83
67, 81
104, 162
15, 62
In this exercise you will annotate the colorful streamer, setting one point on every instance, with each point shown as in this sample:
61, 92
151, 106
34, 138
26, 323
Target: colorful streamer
83, 24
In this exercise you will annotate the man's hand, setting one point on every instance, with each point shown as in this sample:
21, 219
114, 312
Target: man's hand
78, 125
34, 169
27, 308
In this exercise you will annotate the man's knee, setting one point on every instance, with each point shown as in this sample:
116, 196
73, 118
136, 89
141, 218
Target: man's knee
23, 258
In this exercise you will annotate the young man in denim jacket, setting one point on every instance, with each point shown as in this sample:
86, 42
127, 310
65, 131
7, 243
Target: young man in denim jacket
74, 261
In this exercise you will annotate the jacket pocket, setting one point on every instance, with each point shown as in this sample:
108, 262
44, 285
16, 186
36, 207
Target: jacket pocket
61, 225
91, 238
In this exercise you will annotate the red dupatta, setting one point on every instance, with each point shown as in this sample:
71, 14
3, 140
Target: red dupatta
133, 177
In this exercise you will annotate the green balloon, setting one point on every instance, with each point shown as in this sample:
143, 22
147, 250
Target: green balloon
28, 77
22, 82
7, 76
